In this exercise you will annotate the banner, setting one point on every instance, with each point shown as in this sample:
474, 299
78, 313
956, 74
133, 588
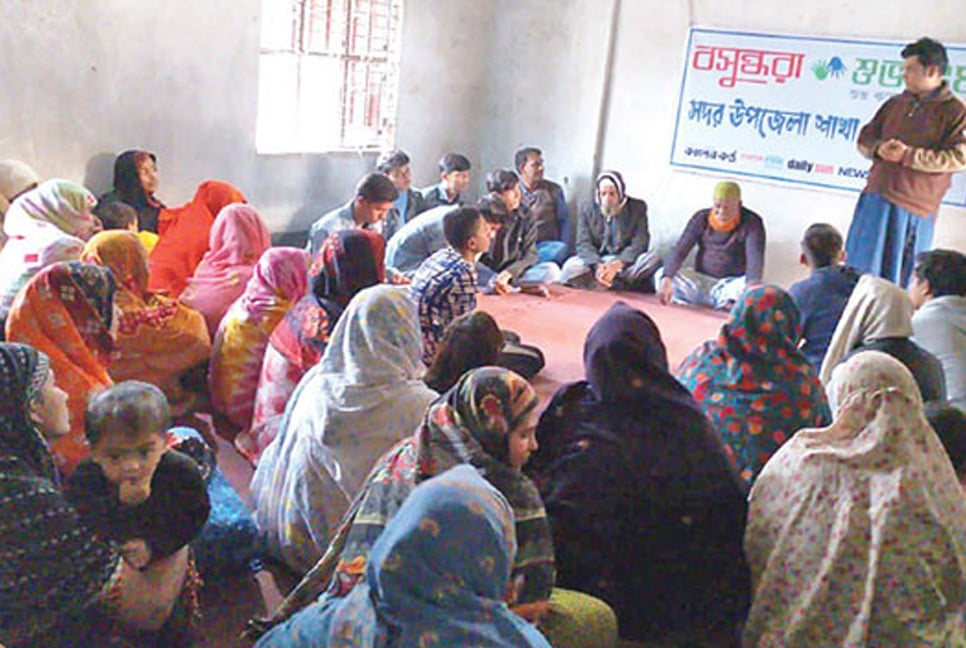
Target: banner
789, 108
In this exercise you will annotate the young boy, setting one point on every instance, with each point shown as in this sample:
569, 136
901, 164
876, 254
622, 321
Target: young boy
133, 492
444, 286
821, 297
116, 215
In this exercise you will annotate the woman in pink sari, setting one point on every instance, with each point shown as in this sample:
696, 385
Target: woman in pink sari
349, 261
280, 279
237, 240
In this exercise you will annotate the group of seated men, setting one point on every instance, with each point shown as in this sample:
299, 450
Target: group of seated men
525, 220
515, 238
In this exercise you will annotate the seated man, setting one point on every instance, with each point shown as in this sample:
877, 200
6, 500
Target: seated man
938, 291
547, 204
415, 241
822, 297
512, 261
731, 254
612, 241
374, 198
444, 287
395, 164
454, 173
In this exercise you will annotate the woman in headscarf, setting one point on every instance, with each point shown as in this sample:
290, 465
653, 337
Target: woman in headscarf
280, 279
486, 420
135, 183
436, 576
753, 382
647, 510
67, 311
183, 236
363, 396
158, 339
237, 241
59, 585
349, 261
43, 226
878, 317
857, 532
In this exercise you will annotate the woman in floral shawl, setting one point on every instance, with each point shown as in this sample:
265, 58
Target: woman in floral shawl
158, 338
349, 261
67, 311
183, 236
857, 531
280, 280
753, 382
437, 576
238, 239
43, 226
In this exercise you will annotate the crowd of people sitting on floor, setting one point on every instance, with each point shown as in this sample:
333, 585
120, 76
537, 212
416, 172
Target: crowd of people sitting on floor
795, 481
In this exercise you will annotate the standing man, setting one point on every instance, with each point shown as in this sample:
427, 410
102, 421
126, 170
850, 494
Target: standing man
454, 173
374, 198
395, 164
546, 203
916, 141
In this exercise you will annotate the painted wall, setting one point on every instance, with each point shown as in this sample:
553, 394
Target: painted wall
649, 58
592, 82
83, 80
546, 86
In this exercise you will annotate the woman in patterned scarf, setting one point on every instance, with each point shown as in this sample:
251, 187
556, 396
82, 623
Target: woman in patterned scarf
349, 261
53, 572
857, 532
753, 382
43, 226
158, 338
280, 280
67, 311
437, 577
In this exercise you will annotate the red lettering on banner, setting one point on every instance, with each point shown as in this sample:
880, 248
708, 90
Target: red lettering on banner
747, 65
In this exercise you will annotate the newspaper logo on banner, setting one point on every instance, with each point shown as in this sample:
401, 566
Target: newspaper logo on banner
789, 108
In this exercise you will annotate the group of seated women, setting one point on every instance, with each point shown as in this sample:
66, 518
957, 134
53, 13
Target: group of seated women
722, 503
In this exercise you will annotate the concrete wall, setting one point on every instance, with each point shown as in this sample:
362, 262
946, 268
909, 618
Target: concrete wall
546, 85
592, 82
649, 58
83, 80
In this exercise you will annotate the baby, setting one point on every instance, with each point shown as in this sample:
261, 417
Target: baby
132, 492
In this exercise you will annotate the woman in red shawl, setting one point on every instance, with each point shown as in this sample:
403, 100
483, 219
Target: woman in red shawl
183, 236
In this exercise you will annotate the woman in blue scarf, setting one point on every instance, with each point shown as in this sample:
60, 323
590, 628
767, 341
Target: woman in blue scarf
435, 577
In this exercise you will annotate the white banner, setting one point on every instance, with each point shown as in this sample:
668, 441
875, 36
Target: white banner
789, 108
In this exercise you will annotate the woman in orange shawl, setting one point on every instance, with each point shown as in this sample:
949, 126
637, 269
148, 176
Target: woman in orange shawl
67, 311
158, 338
183, 236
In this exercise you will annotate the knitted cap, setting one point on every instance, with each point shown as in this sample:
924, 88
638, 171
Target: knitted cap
15, 178
727, 191
616, 179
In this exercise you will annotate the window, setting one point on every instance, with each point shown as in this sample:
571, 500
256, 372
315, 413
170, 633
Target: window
328, 75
